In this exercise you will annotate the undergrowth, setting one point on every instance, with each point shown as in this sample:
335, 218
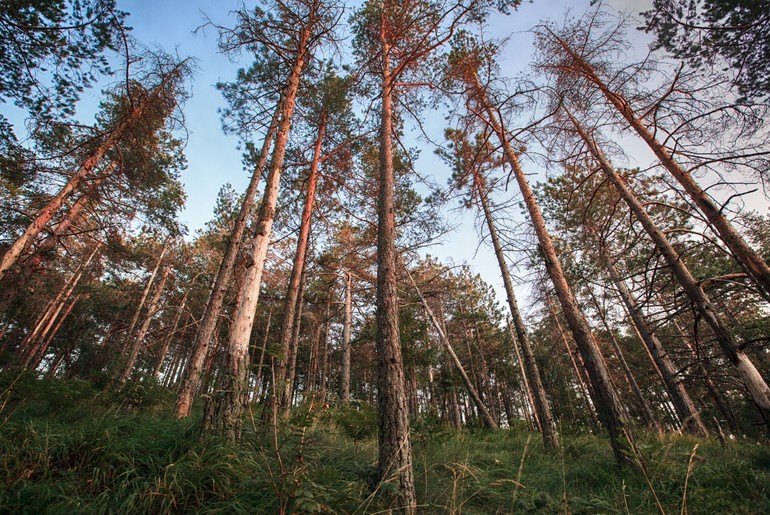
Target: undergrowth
67, 448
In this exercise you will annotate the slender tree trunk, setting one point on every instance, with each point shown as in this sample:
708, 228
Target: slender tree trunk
138, 338
298, 266
231, 397
44, 347
532, 376
143, 299
752, 379
722, 405
489, 420
748, 258
291, 372
261, 363
31, 344
194, 369
161, 355
528, 398
606, 401
585, 386
395, 448
325, 355
345, 358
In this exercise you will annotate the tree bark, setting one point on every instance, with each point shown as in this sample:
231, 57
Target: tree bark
395, 448
194, 369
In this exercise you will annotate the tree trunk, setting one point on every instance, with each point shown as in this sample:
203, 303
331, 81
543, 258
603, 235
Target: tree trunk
44, 216
532, 379
231, 397
291, 371
44, 347
161, 355
685, 408
752, 379
298, 266
194, 369
345, 358
606, 400
395, 448
649, 418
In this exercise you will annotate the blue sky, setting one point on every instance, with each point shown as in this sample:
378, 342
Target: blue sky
214, 158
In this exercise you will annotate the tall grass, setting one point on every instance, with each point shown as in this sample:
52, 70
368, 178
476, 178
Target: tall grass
67, 448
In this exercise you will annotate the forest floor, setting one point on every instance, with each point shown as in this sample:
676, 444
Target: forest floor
67, 448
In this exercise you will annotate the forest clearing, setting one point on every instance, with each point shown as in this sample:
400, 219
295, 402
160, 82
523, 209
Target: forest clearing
477, 257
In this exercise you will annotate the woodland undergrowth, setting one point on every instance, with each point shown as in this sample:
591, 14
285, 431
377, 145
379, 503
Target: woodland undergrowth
68, 447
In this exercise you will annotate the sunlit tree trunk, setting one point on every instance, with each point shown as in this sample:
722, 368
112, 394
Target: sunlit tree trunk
231, 397
300, 256
194, 369
395, 448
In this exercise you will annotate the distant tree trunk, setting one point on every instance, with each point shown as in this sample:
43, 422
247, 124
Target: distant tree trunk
486, 416
606, 401
528, 398
291, 372
194, 369
283, 393
722, 405
261, 362
532, 375
585, 386
345, 358
324, 354
30, 346
748, 258
395, 448
138, 338
163, 350
752, 379
231, 397
44, 347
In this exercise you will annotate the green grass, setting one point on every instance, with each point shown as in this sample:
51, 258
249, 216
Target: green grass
66, 448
